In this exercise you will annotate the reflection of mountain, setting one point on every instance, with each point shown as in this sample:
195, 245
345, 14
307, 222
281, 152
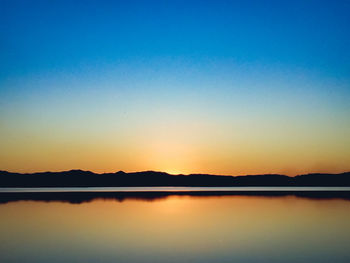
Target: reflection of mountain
76, 178
82, 197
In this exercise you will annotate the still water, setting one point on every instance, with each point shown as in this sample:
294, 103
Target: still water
240, 227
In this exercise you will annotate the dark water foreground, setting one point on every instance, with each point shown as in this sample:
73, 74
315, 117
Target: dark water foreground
177, 226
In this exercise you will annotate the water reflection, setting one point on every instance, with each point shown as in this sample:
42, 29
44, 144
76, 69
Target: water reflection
111, 227
82, 197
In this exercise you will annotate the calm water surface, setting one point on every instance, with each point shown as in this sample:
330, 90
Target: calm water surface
171, 189
176, 228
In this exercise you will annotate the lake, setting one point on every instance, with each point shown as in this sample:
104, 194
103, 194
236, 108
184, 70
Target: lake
175, 225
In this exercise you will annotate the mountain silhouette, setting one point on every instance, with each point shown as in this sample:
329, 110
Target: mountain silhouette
80, 178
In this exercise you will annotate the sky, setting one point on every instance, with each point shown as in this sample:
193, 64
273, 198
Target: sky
221, 87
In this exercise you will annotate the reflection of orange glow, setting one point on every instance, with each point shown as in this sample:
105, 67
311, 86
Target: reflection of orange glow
191, 225
234, 219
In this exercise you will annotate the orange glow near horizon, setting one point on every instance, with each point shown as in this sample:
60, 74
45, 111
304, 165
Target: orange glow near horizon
166, 137
185, 153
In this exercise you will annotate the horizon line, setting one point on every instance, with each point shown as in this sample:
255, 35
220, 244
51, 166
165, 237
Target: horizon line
179, 174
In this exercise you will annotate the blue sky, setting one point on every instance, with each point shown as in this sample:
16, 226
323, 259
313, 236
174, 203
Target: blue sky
63, 35
72, 66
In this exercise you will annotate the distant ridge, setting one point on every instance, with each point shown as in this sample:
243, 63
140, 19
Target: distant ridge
80, 178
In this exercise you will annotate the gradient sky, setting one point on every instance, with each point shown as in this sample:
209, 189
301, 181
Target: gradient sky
223, 87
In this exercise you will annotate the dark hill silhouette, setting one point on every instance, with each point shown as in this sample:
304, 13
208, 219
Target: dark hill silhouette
79, 178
